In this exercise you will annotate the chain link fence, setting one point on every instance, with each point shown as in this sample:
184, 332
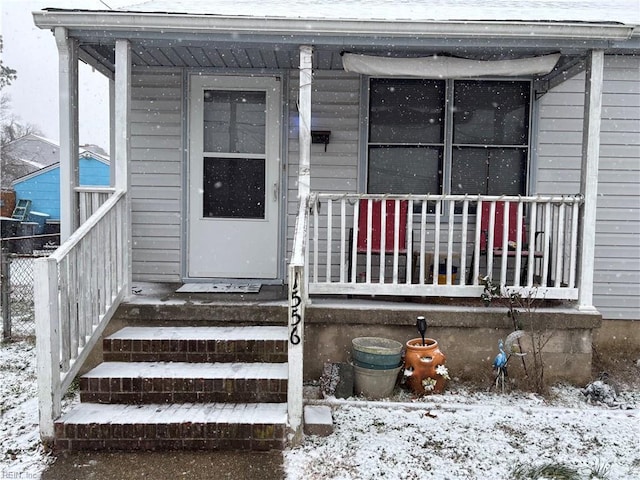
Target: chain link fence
16, 294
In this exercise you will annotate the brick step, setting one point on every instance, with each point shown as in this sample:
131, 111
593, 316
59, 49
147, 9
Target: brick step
162, 382
197, 344
209, 426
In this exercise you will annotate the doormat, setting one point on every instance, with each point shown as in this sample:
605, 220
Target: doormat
220, 288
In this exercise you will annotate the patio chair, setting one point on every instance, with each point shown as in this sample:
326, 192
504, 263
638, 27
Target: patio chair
513, 236
376, 233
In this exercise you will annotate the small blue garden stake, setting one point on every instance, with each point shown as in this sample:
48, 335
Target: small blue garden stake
500, 365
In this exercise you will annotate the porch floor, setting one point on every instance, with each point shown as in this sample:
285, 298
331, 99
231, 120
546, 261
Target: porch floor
275, 296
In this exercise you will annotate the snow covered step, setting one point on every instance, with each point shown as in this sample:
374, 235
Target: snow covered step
197, 344
213, 426
318, 420
163, 382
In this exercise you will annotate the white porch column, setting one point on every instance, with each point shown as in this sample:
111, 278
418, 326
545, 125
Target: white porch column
68, 106
304, 123
120, 155
112, 131
589, 175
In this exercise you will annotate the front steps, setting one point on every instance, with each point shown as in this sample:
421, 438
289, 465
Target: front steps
187, 426
209, 388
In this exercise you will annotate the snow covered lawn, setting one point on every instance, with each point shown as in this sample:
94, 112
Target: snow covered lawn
457, 435
21, 454
472, 436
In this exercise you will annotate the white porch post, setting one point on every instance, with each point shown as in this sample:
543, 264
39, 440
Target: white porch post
120, 156
589, 175
47, 345
112, 131
297, 277
304, 124
68, 105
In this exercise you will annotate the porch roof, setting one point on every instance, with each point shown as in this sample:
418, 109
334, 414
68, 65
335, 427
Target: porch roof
266, 35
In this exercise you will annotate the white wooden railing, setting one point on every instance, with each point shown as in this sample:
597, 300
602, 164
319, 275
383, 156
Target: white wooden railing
298, 299
77, 290
448, 228
90, 199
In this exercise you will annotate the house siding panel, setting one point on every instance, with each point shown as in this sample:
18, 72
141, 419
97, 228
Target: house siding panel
617, 270
156, 174
335, 101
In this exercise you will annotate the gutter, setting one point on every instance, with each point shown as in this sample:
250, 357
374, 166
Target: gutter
207, 24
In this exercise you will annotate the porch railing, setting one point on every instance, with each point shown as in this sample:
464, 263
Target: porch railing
449, 247
77, 290
298, 299
90, 199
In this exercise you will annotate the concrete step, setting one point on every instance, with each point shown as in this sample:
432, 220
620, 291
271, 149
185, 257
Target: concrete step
318, 420
168, 382
197, 344
211, 426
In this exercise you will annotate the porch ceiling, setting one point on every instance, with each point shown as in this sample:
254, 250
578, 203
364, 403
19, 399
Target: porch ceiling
284, 56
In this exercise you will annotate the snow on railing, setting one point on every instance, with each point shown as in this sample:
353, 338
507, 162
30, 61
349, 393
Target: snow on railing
77, 290
386, 244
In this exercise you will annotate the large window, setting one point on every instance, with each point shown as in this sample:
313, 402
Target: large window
413, 141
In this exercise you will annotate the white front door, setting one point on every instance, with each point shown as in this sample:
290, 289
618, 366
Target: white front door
234, 177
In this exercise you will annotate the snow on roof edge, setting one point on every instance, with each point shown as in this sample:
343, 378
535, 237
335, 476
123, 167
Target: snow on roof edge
625, 12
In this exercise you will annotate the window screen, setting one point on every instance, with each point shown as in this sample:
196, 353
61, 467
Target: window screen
409, 147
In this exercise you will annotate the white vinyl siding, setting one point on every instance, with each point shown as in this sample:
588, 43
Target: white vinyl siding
156, 174
617, 262
617, 275
335, 106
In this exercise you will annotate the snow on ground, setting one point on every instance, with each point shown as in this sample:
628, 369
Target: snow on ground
457, 435
21, 454
463, 435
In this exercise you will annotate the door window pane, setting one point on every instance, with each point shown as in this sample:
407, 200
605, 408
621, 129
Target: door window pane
234, 122
406, 111
233, 188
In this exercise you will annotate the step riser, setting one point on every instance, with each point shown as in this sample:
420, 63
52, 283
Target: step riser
172, 390
178, 436
194, 351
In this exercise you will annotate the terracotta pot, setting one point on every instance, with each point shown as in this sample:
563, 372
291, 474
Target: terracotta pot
420, 364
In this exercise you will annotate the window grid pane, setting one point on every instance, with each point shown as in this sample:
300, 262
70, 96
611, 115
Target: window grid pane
488, 171
406, 111
416, 170
491, 113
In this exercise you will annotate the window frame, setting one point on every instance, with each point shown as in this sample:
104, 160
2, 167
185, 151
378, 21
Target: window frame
448, 147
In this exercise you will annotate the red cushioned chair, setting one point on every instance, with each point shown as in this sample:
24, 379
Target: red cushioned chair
513, 236
376, 233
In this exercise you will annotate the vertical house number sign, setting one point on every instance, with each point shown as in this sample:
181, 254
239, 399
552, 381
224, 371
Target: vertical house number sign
294, 321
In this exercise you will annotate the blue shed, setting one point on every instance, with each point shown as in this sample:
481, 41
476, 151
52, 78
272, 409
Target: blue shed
43, 186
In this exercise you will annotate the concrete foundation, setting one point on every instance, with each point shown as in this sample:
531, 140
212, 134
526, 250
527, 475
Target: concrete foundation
618, 335
467, 335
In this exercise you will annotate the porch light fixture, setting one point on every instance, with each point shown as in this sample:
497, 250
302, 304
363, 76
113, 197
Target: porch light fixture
321, 136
